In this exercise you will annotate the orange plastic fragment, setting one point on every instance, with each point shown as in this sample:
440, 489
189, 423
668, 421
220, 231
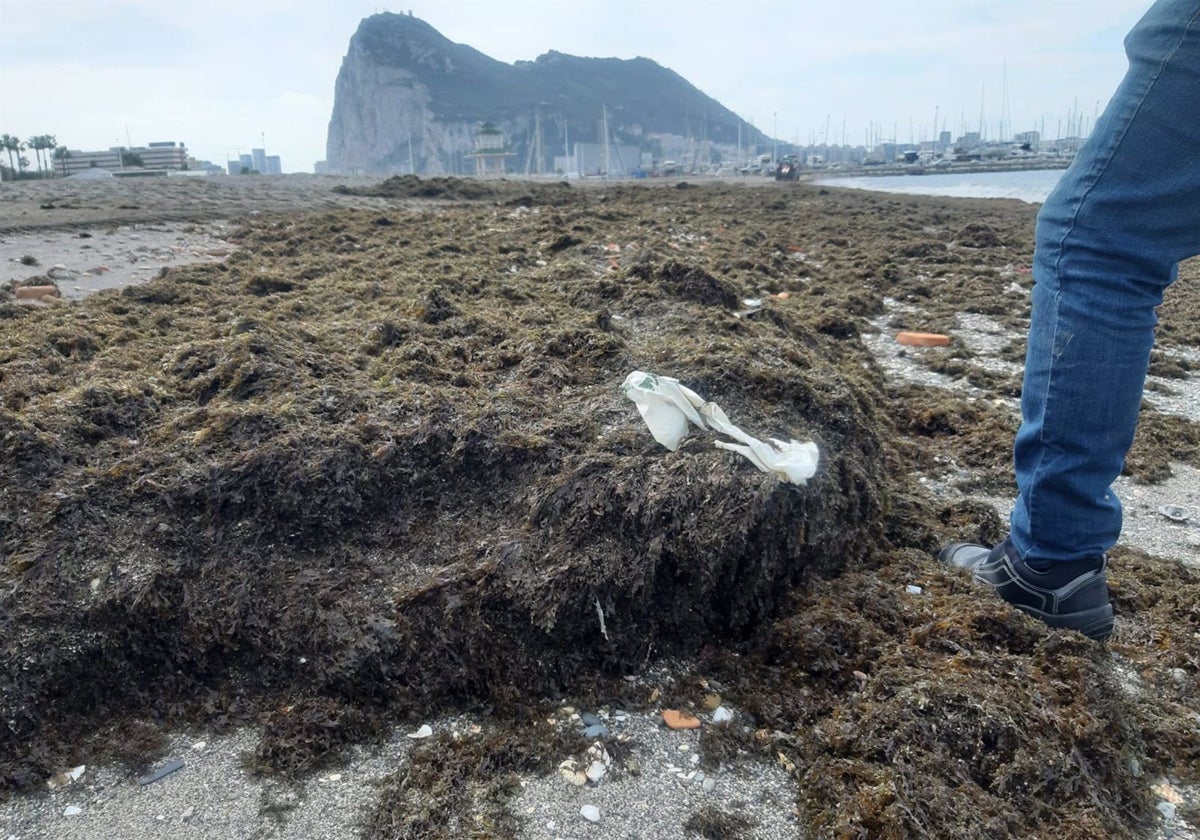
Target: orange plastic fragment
675, 719
920, 339
35, 292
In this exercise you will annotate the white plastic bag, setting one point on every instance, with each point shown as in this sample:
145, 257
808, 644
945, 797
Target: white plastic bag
667, 407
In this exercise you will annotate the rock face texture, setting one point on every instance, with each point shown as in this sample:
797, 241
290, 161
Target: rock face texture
407, 99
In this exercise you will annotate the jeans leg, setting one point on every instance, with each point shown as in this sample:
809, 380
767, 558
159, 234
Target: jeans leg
1109, 239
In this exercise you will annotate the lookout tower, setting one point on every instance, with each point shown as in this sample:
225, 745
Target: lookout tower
490, 151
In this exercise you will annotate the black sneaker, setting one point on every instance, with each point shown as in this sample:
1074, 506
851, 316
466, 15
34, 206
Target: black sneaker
1071, 595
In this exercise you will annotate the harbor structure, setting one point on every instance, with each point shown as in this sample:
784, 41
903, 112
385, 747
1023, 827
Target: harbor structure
491, 152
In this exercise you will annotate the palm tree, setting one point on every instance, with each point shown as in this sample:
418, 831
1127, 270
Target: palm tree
10, 144
49, 142
61, 154
35, 143
40, 143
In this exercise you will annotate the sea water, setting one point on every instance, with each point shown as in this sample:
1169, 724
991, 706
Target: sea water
1032, 185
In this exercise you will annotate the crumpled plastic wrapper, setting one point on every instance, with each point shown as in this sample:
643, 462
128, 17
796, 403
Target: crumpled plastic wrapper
669, 409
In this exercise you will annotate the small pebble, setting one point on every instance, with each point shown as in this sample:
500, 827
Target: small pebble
722, 715
75, 810
589, 719
1167, 810
709, 785
590, 813
596, 771
570, 771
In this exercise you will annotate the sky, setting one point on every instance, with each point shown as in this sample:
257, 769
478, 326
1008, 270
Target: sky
224, 76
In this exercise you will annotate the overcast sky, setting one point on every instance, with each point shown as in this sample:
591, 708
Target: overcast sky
220, 74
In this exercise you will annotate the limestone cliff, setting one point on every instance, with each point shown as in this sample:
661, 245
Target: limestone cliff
407, 96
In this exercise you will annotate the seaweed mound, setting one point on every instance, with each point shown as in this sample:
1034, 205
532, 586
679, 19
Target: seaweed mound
342, 466
377, 465
461, 189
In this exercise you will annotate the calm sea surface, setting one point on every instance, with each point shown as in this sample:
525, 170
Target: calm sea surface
1029, 185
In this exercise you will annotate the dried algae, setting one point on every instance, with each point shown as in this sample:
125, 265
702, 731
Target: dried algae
378, 465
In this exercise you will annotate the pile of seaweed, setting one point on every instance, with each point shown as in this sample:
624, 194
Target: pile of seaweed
463, 189
377, 465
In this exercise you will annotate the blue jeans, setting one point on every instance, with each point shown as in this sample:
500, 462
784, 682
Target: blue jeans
1109, 240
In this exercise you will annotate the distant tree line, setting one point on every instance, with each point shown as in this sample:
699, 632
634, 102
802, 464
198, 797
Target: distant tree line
49, 156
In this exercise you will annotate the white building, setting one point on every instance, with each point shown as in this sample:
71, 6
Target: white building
162, 155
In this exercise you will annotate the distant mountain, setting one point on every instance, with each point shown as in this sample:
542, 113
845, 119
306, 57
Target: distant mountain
402, 81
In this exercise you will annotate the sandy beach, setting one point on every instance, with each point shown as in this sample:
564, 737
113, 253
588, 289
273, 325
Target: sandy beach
291, 472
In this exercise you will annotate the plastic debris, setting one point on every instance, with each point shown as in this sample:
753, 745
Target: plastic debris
72, 811
166, 770
1175, 513
35, 292
665, 405
668, 408
596, 771
920, 339
424, 732
66, 777
675, 719
722, 715
913, 589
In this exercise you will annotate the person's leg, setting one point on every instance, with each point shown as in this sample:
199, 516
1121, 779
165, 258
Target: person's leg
1108, 241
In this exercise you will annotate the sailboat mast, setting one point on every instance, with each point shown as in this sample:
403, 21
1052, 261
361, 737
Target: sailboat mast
604, 128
